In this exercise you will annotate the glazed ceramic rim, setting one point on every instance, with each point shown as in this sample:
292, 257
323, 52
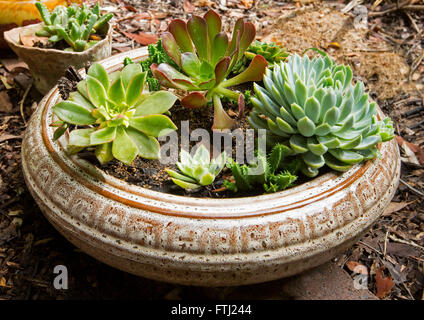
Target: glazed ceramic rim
10, 41
98, 181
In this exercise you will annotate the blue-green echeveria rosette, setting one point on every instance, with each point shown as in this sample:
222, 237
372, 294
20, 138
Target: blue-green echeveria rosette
311, 106
116, 115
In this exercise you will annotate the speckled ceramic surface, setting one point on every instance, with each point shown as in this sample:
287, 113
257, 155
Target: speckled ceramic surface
48, 65
201, 241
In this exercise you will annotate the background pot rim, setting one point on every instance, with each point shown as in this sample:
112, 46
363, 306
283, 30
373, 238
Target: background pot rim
11, 42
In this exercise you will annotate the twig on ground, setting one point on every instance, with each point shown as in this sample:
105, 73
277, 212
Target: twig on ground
372, 248
414, 24
385, 244
21, 104
412, 188
410, 242
415, 65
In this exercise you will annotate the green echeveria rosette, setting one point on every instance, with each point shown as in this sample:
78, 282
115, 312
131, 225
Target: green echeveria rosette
116, 115
197, 170
312, 107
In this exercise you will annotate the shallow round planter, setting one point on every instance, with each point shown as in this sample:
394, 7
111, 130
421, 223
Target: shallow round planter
48, 65
200, 241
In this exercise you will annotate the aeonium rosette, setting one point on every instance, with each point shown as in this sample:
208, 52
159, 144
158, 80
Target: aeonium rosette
117, 114
205, 56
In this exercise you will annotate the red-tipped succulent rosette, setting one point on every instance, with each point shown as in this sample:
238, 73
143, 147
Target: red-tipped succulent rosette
206, 56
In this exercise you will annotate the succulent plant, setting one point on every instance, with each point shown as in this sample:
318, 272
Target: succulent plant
197, 171
272, 52
72, 24
120, 119
203, 57
312, 107
267, 173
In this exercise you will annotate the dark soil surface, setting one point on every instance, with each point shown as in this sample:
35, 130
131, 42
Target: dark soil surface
151, 173
387, 53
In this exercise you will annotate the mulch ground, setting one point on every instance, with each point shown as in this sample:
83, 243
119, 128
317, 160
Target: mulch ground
383, 42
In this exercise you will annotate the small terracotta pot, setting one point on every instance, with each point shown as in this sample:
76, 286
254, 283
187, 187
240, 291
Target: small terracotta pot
48, 65
201, 241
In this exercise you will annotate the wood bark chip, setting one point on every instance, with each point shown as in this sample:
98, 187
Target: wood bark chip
142, 38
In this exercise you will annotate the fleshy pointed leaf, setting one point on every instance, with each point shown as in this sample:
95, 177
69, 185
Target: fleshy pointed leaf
306, 127
219, 47
96, 91
102, 136
79, 99
235, 39
80, 137
123, 148
128, 73
103, 153
221, 69
214, 24
148, 147
153, 125
97, 71
171, 47
313, 160
73, 113
198, 31
179, 176
194, 100
116, 91
221, 119
190, 64
254, 72
178, 28
135, 88
156, 103
185, 184
247, 37
312, 109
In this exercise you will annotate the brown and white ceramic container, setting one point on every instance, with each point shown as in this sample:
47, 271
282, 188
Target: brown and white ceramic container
48, 65
201, 241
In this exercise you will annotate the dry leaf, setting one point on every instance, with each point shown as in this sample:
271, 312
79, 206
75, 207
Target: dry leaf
247, 4
12, 63
6, 136
356, 267
204, 3
142, 38
334, 44
188, 7
383, 284
5, 103
413, 152
3, 283
394, 207
29, 40
130, 8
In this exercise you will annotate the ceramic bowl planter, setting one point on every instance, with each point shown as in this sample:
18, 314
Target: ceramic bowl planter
48, 65
201, 241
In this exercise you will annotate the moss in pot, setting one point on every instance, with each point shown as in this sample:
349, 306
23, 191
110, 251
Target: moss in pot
69, 36
199, 240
